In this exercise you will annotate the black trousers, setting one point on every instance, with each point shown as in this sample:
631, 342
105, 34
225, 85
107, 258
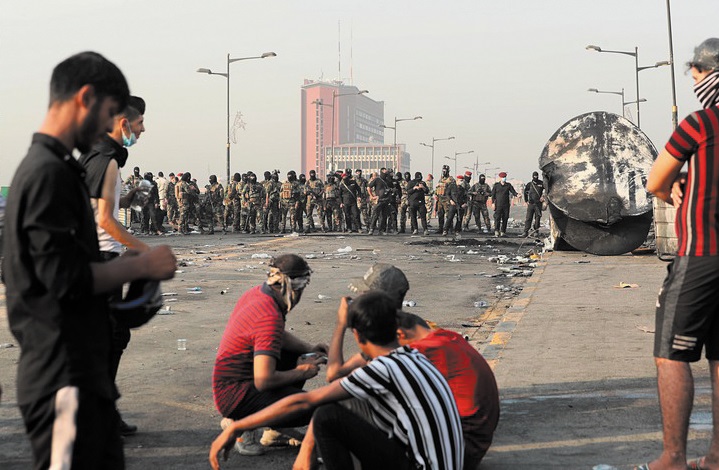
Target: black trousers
501, 216
418, 209
534, 211
339, 433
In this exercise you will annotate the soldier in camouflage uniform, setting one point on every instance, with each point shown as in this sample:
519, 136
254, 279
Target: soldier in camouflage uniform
315, 189
431, 199
244, 204
172, 207
196, 213
331, 205
404, 203
363, 205
182, 191
216, 196
479, 193
265, 209
254, 194
234, 194
289, 200
273, 203
446, 188
300, 213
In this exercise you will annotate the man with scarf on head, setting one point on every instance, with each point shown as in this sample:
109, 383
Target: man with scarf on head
689, 297
258, 361
102, 176
479, 193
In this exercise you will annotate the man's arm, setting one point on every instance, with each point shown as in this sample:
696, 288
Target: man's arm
271, 415
336, 365
664, 173
267, 377
106, 211
158, 264
293, 344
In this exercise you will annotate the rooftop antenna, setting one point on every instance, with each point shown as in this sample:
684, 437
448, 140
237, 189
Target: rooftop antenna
339, 54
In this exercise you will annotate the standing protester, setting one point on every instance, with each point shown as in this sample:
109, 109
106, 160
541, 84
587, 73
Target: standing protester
501, 202
414, 420
689, 298
258, 361
349, 202
479, 193
162, 183
56, 282
534, 197
102, 176
417, 191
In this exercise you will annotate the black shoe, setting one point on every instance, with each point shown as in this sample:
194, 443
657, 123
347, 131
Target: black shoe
127, 429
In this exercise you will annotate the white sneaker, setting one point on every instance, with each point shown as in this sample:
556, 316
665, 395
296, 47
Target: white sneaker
250, 445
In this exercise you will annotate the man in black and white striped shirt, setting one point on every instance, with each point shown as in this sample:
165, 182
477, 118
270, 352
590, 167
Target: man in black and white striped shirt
416, 424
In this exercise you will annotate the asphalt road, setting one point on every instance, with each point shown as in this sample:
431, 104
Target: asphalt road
167, 392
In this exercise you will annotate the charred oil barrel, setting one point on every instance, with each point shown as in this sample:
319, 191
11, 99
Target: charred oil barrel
595, 168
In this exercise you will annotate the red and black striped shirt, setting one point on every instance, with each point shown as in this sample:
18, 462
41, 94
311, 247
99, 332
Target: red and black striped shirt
697, 220
256, 326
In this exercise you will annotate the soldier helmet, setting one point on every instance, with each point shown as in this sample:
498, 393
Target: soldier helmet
186, 177
252, 177
445, 167
482, 176
275, 177
141, 302
418, 176
147, 176
236, 177
267, 175
348, 171
706, 55
213, 179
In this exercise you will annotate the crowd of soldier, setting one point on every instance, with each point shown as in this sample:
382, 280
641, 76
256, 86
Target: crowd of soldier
345, 202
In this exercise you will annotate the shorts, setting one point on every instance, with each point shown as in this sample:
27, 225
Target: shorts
76, 428
687, 308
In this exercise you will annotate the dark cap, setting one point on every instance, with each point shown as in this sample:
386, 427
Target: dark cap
384, 277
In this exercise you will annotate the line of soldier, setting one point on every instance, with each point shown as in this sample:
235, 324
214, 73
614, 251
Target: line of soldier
346, 202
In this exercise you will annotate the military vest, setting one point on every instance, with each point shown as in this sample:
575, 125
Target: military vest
286, 192
331, 191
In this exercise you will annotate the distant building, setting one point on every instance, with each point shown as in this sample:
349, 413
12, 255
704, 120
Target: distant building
357, 120
367, 157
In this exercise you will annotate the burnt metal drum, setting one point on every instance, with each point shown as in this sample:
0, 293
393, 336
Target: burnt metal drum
595, 168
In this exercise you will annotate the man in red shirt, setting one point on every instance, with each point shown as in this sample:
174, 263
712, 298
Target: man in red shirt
257, 361
689, 298
469, 376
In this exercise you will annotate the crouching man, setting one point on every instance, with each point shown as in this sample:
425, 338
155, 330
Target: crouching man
258, 362
415, 422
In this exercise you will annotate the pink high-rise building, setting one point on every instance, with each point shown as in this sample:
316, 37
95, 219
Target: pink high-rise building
357, 120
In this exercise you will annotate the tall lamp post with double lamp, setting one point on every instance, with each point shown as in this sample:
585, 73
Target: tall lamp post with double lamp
434, 141
335, 95
394, 128
226, 74
637, 69
455, 158
620, 93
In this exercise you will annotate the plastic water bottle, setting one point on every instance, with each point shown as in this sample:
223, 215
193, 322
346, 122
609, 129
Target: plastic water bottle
141, 196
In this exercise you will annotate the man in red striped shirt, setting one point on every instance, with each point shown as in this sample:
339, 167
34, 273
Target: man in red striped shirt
257, 361
689, 298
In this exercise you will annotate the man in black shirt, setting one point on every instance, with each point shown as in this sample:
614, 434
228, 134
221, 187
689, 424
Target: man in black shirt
501, 202
56, 282
349, 202
417, 191
534, 197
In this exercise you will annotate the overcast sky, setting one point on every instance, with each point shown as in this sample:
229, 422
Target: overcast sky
500, 76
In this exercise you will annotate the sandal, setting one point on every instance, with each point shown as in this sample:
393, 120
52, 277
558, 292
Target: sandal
696, 464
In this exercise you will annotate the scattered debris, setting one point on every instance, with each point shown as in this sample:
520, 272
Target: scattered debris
323, 297
409, 303
624, 285
6, 345
346, 249
645, 329
260, 256
481, 304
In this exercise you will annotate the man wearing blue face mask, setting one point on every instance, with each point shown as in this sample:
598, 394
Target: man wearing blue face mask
102, 165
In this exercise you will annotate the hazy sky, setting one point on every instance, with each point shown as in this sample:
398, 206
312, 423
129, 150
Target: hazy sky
500, 76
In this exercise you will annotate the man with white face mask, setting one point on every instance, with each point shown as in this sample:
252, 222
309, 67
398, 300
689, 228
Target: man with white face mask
501, 202
689, 298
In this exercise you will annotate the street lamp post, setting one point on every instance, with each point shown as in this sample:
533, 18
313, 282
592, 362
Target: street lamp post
335, 95
476, 165
434, 140
226, 74
455, 158
319, 102
394, 128
455, 162
620, 93
671, 63
637, 69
